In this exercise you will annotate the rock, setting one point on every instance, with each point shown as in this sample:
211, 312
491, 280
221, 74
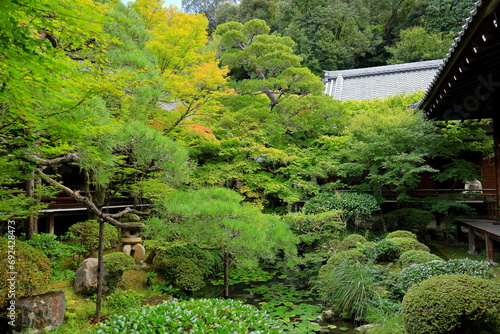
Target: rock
131, 241
138, 252
364, 329
328, 316
40, 313
133, 217
86, 277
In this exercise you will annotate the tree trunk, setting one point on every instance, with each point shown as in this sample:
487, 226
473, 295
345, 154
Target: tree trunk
226, 275
99, 200
100, 271
32, 224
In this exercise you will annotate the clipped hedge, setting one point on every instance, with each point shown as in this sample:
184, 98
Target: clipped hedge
346, 257
182, 272
32, 269
351, 242
401, 234
384, 250
416, 257
193, 316
115, 264
417, 273
207, 261
407, 244
88, 231
452, 304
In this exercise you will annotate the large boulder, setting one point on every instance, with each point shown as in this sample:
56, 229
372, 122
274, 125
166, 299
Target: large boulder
39, 313
86, 277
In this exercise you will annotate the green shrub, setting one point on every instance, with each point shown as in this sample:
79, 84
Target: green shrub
88, 231
182, 272
351, 242
384, 250
207, 261
350, 288
452, 304
401, 234
123, 300
416, 257
412, 219
31, 266
56, 251
118, 261
351, 255
387, 315
420, 272
193, 316
314, 230
340, 258
115, 264
407, 244
351, 205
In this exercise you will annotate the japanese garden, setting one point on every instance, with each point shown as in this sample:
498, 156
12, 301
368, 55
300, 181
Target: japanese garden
252, 166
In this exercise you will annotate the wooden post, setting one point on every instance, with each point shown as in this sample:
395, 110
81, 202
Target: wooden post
490, 248
226, 275
32, 219
496, 148
50, 223
472, 242
100, 271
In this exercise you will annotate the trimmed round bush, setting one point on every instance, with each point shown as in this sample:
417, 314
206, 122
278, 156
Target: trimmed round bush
419, 272
407, 244
412, 219
416, 257
118, 261
452, 304
182, 272
351, 241
193, 316
401, 234
32, 269
207, 261
384, 250
88, 231
351, 255
346, 257
115, 264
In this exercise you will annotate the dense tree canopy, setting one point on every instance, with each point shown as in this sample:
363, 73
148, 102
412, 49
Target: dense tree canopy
126, 92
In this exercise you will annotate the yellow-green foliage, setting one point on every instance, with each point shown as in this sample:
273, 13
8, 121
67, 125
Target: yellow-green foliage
88, 231
416, 256
407, 244
401, 234
351, 241
452, 304
32, 269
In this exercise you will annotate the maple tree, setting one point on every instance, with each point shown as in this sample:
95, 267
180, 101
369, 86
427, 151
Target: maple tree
193, 78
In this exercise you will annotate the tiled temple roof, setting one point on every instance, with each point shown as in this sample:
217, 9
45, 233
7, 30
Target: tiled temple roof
380, 81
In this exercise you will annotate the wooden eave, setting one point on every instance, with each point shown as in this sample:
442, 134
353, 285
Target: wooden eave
468, 83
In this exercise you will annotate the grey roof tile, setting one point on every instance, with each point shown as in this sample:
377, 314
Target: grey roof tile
381, 81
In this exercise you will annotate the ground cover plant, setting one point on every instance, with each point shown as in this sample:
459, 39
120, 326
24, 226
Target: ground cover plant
193, 316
